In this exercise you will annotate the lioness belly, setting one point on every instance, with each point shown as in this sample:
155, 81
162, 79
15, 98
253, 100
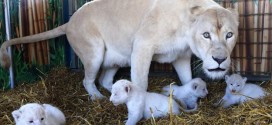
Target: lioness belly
165, 58
114, 58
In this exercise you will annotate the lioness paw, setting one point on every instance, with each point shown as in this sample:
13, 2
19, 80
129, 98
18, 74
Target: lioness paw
97, 96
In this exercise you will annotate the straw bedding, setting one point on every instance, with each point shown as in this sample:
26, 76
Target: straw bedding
64, 89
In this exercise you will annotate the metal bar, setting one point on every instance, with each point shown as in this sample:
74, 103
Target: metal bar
269, 42
67, 49
257, 29
7, 22
256, 14
235, 57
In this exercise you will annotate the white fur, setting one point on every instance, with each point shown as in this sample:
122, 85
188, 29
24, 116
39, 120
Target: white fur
140, 103
36, 114
238, 91
189, 93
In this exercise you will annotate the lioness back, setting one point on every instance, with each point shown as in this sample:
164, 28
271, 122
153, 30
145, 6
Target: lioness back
113, 21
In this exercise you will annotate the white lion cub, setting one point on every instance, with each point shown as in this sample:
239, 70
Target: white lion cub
238, 91
139, 102
188, 94
37, 114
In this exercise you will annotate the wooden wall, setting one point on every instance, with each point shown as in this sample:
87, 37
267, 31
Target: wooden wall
252, 54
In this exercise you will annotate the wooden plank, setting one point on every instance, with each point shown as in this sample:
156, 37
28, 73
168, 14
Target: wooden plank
250, 35
36, 30
265, 35
31, 49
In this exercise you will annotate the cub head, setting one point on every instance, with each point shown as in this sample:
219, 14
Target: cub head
120, 92
214, 33
235, 82
199, 87
30, 114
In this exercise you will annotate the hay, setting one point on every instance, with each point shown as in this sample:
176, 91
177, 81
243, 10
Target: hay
64, 89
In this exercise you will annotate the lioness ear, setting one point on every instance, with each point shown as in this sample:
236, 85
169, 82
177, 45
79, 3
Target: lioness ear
16, 114
196, 10
235, 13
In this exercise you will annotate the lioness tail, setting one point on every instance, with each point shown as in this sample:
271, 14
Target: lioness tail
5, 59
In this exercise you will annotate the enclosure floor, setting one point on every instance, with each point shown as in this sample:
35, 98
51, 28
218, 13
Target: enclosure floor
64, 89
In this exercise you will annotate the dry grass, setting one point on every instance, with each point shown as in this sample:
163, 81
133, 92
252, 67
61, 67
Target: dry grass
64, 89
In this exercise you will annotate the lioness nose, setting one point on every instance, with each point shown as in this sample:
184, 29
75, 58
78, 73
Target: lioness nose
219, 60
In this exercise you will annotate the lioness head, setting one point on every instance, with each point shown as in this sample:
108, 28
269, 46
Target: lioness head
214, 34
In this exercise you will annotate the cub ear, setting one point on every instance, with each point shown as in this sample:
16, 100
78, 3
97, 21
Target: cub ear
128, 88
244, 79
226, 77
16, 114
195, 85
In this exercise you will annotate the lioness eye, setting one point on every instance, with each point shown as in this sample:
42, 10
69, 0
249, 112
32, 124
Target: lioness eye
206, 35
229, 35
42, 118
30, 121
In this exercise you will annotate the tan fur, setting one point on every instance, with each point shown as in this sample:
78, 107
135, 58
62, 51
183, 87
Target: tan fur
121, 33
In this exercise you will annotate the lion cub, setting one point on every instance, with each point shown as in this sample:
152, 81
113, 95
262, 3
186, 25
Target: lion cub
189, 93
238, 91
37, 114
139, 102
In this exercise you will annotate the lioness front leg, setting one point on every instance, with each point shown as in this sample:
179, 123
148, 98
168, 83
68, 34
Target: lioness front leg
106, 77
182, 66
141, 58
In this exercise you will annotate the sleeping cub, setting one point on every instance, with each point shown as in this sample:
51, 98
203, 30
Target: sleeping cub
36, 114
189, 93
139, 102
238, 91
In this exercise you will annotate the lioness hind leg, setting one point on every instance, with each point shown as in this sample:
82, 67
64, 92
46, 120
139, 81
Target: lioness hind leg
92, 64
106, 77
91, 55
88, 44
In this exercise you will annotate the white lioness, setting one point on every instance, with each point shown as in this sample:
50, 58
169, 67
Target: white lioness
140, 104
189, 93
121, 33
238, 91
36, 114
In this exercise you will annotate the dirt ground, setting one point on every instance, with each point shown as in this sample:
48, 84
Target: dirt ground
63, 88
